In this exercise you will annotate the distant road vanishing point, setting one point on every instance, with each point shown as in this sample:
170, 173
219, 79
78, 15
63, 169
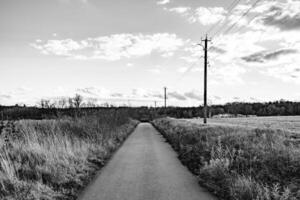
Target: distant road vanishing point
145, 168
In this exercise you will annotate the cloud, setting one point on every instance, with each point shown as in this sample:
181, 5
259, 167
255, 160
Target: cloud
129, 64
179, 10
157, 95
208, 15
193, 53
71, 1
230, 74
117, 95
203, 15
236, 98
59, 47
217, 50
284, 23
177, 96
262, 57
283, 15
163, 2
155, 70
194, 95
217, 97
5, 96
112, 47
92, 92
286, 73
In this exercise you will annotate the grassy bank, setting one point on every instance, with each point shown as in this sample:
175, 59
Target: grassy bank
54, 159
236, 162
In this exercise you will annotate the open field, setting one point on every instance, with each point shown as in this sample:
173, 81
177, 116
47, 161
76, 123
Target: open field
239, 162
53, 159
291, 123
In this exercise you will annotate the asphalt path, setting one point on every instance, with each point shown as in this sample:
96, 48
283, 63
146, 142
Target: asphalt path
145, 168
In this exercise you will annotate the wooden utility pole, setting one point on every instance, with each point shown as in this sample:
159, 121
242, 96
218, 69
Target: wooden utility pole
205, 80
165, 97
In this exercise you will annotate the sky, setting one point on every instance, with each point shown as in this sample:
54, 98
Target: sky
125, 52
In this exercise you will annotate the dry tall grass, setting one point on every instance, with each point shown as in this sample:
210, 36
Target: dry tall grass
238, 163
53, 159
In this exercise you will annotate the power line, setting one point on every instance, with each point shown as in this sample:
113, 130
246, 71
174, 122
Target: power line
230, 9
233, 25
253, 18
241, 17
188, 70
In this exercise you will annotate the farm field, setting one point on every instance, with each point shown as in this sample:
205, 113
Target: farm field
238, 159
290, 123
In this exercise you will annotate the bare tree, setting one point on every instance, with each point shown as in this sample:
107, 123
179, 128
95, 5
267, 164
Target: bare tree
44, 103
52, 104
77, 100
62, 102
91, 103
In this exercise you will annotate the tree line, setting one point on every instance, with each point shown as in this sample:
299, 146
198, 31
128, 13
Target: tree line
276, 108
76, 106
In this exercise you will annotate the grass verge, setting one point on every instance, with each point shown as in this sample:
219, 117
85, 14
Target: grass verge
54, 159
238, 163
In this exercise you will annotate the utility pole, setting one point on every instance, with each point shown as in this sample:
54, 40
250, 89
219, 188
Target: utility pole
205, 80
165, 97
154, 104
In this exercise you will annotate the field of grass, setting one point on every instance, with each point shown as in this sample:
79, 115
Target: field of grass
54, 159
291, 123
236, 162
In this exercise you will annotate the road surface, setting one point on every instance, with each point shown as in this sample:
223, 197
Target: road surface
145, 168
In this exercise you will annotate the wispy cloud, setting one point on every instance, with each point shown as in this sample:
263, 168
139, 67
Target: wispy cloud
286, 73
179, 10
129, 65
113, 47
262, 57
155, 70
208, 15
163, 2
69, 1
5, 96
196, 95
177, 96
203, 15
284, 15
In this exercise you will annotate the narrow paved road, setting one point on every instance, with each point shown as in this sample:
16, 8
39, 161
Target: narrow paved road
145, 168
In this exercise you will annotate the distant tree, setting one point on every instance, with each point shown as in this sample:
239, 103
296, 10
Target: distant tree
91, 104
248, 110
106, 105
42, 103
70, 102
77, 100
45, 103
62, 102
